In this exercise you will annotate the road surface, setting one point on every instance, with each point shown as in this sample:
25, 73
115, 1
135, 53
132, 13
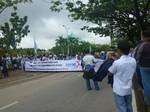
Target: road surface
60, 92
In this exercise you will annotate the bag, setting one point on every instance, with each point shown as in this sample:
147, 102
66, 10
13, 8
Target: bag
89, 71
89, 68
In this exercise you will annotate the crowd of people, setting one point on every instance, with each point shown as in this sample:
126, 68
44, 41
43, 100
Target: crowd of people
120, 67
18, 62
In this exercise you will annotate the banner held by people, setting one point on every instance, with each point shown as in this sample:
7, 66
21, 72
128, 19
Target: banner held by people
54, 65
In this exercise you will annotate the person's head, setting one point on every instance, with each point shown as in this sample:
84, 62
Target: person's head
96, 54
117, 55
123, 48
110, 55
146, 32
132, 50
102, 52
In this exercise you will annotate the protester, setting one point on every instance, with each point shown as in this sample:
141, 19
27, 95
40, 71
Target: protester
99, 61
15, 63
4, 67
102, 55
103, 69
23, 60
123, 70
1, 66
89, 63
142, 56
131, 54
111, 57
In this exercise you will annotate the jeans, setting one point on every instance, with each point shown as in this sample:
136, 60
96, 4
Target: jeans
123, 103
88, 84
145, 74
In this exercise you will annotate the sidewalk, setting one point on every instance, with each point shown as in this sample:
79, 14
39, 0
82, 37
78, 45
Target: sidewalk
19, 76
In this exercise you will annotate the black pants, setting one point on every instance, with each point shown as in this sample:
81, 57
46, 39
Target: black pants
5, 73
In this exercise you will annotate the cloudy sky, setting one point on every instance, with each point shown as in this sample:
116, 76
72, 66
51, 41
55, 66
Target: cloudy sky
46, 26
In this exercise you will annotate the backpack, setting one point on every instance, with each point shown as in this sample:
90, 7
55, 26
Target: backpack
89, 68
89, 71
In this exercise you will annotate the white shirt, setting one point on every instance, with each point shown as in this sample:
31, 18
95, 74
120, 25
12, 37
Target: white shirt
89, 59
123, 70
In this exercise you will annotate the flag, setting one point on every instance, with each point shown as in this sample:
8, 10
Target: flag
35, 47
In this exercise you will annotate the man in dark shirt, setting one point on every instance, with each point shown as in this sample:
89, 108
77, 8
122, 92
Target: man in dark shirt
4, 67
142, 56
103, 70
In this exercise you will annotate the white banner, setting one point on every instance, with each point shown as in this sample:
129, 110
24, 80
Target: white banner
54, 65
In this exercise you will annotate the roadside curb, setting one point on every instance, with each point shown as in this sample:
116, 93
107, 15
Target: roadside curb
134, 102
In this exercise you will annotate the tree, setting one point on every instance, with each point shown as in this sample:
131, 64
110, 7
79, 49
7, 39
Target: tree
73, 43
76, 46
4, 4
13, 31
115, 18
24, 52
21, 52
62, 44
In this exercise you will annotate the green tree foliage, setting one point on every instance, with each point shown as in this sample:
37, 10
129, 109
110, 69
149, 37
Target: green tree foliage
13, 31
61, 45
75, 46
23, 52
115, 18
4, 4
64, 44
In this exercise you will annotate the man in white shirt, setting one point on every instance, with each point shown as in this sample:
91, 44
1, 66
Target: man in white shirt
89, 61
123, 70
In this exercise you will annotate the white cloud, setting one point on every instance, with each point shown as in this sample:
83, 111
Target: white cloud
27, 42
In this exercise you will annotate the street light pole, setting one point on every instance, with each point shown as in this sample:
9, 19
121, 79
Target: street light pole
67, 31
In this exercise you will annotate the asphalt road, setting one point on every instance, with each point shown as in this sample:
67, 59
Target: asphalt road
60, 92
